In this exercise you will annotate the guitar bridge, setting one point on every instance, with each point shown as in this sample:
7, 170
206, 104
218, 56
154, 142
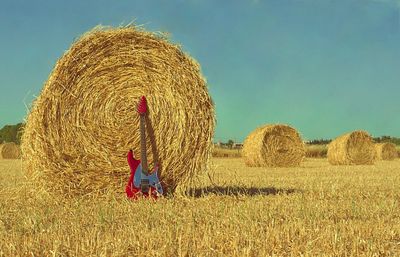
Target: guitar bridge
145, 185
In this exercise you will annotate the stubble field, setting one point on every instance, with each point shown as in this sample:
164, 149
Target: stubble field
313, 210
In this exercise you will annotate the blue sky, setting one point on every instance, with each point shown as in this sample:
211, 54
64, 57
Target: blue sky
323, 66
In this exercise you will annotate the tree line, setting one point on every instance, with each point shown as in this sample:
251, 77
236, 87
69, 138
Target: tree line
12, 133
387, 139
382, 139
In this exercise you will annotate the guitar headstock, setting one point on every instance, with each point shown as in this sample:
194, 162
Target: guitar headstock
142, 106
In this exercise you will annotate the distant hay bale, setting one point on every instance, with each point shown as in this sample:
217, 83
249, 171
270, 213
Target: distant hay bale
353, 148
83, 123
9, 151
386, 151
273, 146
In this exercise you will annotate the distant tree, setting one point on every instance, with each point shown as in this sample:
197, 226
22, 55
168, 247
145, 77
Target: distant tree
387, 139
230, 143
319, 141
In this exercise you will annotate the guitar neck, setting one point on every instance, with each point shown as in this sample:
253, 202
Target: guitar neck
143, 149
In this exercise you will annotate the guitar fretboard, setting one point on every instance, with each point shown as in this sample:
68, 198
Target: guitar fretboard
143, 148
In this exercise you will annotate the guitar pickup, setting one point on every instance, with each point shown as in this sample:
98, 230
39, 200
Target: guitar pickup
145, 185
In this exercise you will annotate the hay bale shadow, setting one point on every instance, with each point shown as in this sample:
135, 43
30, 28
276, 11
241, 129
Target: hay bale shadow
240, 191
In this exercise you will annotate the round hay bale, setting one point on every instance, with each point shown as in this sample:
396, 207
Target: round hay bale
386, 151
273, 146
353, 148
9, 151
85, 119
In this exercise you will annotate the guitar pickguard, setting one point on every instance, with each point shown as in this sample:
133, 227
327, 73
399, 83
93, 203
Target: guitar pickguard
153, 179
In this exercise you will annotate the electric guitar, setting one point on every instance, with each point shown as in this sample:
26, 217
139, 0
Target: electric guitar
142, 182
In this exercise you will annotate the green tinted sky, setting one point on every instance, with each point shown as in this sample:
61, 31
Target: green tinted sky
323, 66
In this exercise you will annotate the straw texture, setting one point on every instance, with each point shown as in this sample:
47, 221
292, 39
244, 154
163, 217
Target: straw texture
352, 149
84, 121
273, 146
386, 151
9, 151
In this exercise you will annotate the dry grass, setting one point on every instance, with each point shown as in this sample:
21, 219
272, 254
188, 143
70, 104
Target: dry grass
84, 121
313, 210
316, 151
312, 151
226, 152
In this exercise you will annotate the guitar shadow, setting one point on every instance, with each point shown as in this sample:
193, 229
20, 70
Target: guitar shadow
240, 191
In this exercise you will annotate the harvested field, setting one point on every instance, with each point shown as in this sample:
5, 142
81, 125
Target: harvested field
312, 151
226, 152
316, 151
312, 210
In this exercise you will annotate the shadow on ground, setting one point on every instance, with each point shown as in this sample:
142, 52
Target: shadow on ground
240, 191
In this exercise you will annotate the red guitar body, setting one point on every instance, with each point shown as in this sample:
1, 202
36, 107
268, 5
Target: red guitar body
132, 191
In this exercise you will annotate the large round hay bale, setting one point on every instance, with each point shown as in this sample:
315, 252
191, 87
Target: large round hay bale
9, 151
273, 146
352, 149
386, 151
84, 121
